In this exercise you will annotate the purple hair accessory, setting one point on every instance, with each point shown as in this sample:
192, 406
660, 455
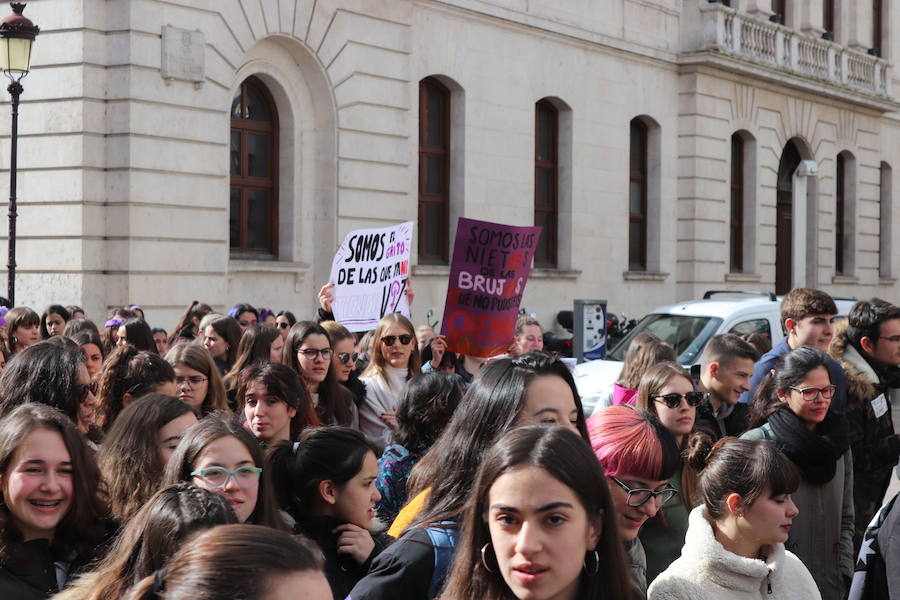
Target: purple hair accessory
113, 323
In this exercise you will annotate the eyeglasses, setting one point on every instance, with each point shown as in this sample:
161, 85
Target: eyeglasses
192, 381
83, 389
674, 400
893, 338
811, 393
346, 357
217, 477
639, 497
389, 340
284, 325
312, 353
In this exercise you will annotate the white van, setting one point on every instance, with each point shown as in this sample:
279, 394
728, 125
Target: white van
687, 326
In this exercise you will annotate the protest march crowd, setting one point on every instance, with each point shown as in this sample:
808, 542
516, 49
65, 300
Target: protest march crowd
257, 456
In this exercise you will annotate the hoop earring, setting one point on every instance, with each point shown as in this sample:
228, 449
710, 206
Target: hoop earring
483, 560
596, 569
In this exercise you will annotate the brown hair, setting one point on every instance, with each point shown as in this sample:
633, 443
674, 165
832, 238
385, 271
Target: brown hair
654, 380
566, 458
230, 561
284, 383
20, 316
255, 346
196, 357
151, 537
725, 348
377, 362
129, 457
802, 302
744, 467
645, 350
334, 399
81, 527
230, 331
789, 371
128, 371
337, 332
211, 428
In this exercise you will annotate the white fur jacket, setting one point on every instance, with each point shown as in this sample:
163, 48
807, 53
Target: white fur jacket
706, 571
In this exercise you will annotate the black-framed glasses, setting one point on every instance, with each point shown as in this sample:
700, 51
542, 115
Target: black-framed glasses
83, 389
673, 400
639, 497
345, 357
217, 477
892, 338
312, 353
192, 381
811, 393
284, 325
389, 340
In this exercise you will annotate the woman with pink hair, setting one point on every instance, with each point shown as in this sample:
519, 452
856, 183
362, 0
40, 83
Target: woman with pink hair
639, 456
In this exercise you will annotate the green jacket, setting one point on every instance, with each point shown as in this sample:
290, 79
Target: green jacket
663, 543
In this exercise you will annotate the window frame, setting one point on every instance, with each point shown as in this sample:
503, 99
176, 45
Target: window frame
736, 223
877, 24
779, 9
551, 166
245, 182
442, 199
828, 16
643, 178
840, 207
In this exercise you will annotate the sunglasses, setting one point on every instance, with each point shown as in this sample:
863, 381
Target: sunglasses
284, 325
674, 400
346, 357
83, 389
389, 340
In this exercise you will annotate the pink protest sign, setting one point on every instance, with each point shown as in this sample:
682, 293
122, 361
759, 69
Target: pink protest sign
490, 267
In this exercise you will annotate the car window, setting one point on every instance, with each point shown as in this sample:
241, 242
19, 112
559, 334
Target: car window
752, 326
687, 334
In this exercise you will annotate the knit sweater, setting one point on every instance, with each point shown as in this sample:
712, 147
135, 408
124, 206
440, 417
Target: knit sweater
382, 396
707, 571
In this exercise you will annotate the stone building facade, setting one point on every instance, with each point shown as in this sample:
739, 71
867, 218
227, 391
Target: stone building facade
220, 149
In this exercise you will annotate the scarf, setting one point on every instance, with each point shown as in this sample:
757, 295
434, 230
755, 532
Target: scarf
888, 375
814, 452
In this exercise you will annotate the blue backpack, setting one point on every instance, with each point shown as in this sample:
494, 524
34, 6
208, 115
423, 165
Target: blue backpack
443, 540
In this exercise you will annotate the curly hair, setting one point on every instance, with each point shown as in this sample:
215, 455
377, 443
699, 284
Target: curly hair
128, 371
426, 408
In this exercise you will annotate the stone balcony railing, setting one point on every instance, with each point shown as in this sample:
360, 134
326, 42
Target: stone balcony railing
752, 39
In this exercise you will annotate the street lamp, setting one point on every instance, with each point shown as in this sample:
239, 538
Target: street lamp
17, 33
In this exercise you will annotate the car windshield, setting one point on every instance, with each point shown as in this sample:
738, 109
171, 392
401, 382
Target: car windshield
687, 334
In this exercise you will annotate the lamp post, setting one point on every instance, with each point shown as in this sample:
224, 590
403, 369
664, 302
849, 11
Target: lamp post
17, 33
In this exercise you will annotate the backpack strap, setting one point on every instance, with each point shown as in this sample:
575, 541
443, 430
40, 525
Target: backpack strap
443, 540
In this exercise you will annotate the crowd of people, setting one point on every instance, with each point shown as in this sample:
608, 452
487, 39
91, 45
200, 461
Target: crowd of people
254, 455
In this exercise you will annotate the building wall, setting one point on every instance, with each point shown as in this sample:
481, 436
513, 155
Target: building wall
124, 178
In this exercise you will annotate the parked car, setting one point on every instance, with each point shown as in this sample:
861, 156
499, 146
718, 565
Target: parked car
687, 326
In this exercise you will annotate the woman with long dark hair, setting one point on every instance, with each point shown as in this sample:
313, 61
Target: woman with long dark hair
220, 455
136, 449
149, 538
734, 546
539, 524
53, 321
221, 338
22, 329
792, 408
129, 374
274, 402
238, 561
532, 389
137, 333
326, 483
258, 344
308, 351
51, 517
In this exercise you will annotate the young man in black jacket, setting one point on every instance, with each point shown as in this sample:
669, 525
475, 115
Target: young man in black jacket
725, 369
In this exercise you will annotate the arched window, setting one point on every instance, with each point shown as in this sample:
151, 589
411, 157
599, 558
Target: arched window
434, 171
546, 181
253, 217
736, 222
637, 197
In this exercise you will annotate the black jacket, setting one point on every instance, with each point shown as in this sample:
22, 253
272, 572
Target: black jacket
402, 571
735, 423
341, 570
32, 575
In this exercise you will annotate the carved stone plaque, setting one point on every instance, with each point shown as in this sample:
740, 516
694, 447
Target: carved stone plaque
183, 54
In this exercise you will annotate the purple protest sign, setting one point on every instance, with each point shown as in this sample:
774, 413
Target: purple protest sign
490, 267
